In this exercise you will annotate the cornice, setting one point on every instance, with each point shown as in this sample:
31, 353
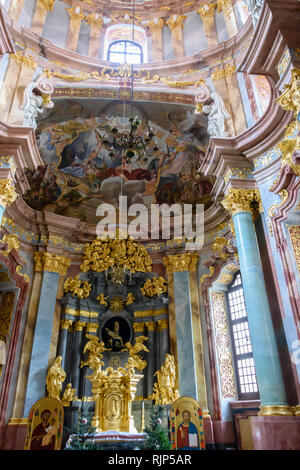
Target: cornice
277, 28
20, 141
6, 42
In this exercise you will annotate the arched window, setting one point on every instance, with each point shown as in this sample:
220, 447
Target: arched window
242, 348
125, 52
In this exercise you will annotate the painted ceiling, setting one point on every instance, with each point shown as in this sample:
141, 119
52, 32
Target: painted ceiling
84, 166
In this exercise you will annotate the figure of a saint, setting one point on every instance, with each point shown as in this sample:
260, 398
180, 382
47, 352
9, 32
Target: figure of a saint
187, 433
115, 339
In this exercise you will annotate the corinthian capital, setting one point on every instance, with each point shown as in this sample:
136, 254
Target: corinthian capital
241, 200
181, 262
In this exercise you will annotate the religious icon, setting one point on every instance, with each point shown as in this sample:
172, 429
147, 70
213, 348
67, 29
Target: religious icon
45, 422
115, 333
186, 425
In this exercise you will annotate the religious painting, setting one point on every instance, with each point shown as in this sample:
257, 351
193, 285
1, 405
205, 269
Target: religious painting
85, 164
45, 425
186, 422
116, 333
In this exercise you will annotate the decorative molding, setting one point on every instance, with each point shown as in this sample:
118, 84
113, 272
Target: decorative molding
52, 263
181, 262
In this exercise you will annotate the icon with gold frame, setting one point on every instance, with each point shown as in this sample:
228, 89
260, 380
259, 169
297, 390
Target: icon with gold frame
186, 423
45, 425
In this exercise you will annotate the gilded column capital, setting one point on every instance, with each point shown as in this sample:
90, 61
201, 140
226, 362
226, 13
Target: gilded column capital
241, 200
155, 24
7, 193
48, 4
79, 325
175, 20
181, 262
150, 325
91, 327
162, 324
207, 10
138, 327
75, 13
65, 324
52, 263
94, 20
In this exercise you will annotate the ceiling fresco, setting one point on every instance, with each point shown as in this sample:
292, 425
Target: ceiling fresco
84, 165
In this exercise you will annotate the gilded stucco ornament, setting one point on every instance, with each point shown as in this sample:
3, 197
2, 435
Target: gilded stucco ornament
155, 286
290, 98
12, 242
7, 193
182, 262
80, 288
241, 200
104, 254
51, 262
219, 244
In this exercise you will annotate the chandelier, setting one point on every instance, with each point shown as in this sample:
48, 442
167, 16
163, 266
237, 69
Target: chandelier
129, 142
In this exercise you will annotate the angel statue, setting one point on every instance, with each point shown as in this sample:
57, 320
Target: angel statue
254, 8
217, 115
134, 360
96, 350
55, 377
33, 105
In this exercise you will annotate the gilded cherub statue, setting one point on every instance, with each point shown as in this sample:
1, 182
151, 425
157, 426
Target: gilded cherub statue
68, 395
134, 360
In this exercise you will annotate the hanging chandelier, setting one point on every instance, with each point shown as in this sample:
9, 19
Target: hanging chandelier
129, 142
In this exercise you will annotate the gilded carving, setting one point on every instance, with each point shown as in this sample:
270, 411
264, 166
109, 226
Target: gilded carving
164, 390
103, 254
12, 243
241, 200
181, 262
206, 276
155, 286
290, 98
219, 244
135, 360
55, 378
220, 73
7, 193
21, 59
52, 263
25, 276
80, 288
294, 231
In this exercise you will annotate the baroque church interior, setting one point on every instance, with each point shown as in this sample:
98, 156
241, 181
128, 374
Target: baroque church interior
162, 104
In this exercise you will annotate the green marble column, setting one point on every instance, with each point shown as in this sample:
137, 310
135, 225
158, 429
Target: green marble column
185, 335
268, 370
51, 266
